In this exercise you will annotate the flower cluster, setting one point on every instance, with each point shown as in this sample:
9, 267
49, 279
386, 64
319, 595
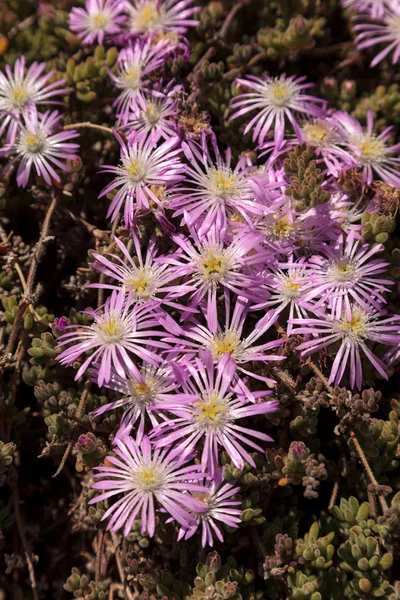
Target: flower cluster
33, 137
261, 248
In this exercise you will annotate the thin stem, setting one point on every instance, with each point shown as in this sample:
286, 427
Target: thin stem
92, 229
221, 35
99, 554
26, 301
368, 469
89, 125
284, 377
120, 568
320, 376
334, 494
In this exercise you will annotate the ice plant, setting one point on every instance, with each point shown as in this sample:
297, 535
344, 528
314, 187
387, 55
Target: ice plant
146, 478
118, 332
378, 29
322, 135
39, 147
245, 350
350, 332
139, 396
150, 16
286, 287
213, 189
207, 411
144, 278
154, 116
142, 165
209, 264
20, 91
371, 151
99, 20
374, 8
348, 275
135, 63
278, 101
219, 509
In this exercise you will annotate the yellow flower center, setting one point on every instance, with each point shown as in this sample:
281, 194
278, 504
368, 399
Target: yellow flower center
99, 20
223, 182
227, 342
342, 271
148, 478
317, 134
19, 96
291, 288
34, 143
153, 113
356, 327
139, 284
140, 388
280, 93
147, 16
140, 393
134, 169
111, 329
131, 77
214, 265
201, 497
212, 411
282, 228
372, 150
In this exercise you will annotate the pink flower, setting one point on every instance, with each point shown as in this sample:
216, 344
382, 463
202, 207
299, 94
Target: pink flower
208, 411
322, 135
229, 338
150, 16
285, 288
142, 166
138, 397
213, 190
20, 91
118, 332
145, 278
134, 64
374, 8
99, 19
37, 146
218, 508
212, 263
154, 115
145, 478
347, 275
277, 100
371, 151
382, 28
351, 331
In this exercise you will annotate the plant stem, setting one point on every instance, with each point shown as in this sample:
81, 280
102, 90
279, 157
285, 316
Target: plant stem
89, 125
27, 299
368, 469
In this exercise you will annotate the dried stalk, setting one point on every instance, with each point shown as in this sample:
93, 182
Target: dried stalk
368, 469
221, 35
28, 295
89, 126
